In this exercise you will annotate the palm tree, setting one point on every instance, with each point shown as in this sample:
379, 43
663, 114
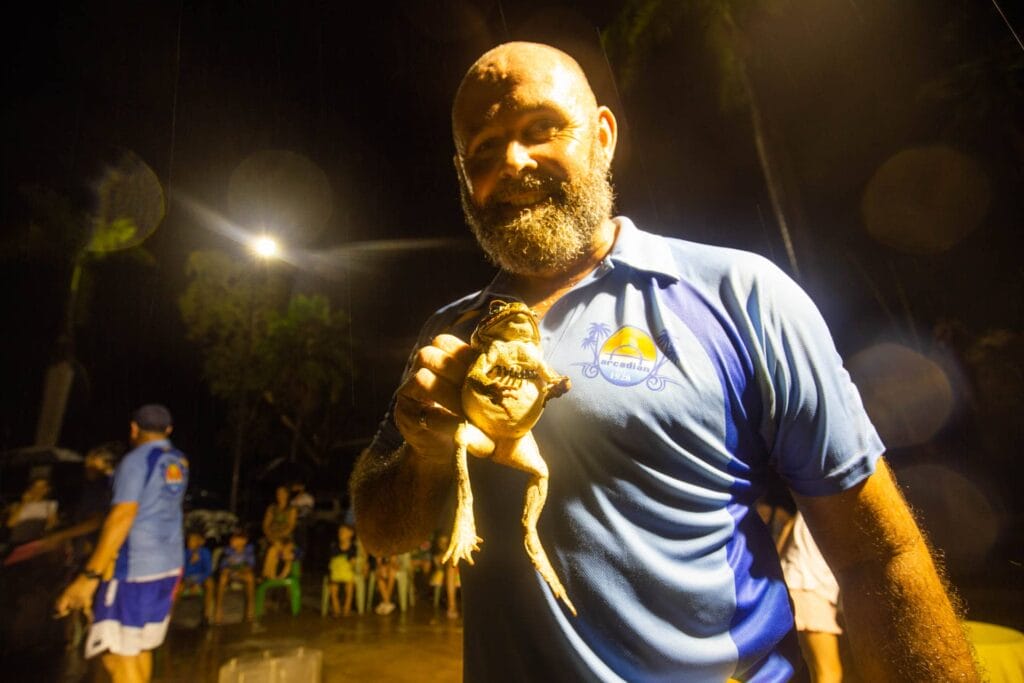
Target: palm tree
643, 24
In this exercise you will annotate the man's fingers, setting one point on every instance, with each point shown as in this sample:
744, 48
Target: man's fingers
454, 346
446, 356
425, 387
417, 416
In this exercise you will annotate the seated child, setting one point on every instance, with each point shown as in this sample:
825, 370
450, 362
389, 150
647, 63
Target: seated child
341, 569
198, 574
386, 572
238, 563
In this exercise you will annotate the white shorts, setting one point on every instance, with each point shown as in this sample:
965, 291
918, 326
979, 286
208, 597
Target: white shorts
131, 616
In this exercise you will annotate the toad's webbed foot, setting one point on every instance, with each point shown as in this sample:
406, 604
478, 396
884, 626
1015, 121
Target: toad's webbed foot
464, 541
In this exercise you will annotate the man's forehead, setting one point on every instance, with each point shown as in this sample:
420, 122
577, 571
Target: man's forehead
513, 81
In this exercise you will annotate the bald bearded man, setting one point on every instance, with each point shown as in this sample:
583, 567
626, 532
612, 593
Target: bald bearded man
694, 370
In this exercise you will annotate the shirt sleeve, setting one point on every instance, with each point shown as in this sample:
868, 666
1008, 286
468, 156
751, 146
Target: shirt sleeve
129, 480
820, 438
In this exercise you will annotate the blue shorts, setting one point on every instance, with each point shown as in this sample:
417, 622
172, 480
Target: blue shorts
131, 616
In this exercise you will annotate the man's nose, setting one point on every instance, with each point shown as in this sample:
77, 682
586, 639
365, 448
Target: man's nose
517, 159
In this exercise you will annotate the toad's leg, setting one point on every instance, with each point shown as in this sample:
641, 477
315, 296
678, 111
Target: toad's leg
463, 537
524, 455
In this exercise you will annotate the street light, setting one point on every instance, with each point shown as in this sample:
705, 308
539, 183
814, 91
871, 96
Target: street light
265, 246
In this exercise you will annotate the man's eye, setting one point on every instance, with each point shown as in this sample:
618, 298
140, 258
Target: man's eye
543, 129
485, 147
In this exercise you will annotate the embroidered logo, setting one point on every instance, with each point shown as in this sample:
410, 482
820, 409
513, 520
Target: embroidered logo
174, 477
627, 357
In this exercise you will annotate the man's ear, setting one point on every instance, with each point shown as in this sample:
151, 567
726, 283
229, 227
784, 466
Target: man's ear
607, 131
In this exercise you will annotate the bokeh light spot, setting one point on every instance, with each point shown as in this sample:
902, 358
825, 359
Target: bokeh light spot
956, 513
908, 396
925, 200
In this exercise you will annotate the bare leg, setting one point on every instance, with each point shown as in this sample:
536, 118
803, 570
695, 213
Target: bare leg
144, 664
222, 585
821, 652
125, 669
525, 455
349, 588
250, 596
332, 588
386, 586
449, 583
209, 593
270, 561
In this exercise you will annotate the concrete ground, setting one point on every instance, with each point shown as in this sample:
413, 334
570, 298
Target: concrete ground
418, 645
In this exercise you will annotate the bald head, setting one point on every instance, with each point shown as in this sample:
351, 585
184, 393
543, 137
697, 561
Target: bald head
518, 75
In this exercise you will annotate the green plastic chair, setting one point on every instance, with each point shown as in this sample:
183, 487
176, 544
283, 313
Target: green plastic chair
292, 583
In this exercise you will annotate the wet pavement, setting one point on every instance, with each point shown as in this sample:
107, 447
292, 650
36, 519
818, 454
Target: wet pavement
417, 645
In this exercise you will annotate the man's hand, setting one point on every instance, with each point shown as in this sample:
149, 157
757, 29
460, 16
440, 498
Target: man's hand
78, 595
429, 403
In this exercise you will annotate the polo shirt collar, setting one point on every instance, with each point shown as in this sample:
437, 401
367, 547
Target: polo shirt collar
633, 248
642, 251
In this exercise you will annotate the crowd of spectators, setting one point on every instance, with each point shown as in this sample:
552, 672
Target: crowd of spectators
49, 531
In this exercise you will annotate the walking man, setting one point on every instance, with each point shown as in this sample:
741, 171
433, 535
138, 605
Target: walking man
128, 583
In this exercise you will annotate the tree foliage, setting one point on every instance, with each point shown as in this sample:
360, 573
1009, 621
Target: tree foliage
643, 25
286, 356
227, 309
309, 366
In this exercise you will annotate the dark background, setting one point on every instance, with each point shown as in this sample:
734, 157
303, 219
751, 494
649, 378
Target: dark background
364, 93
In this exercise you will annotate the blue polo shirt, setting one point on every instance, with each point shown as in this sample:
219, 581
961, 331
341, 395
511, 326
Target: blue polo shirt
695, 370
154, 475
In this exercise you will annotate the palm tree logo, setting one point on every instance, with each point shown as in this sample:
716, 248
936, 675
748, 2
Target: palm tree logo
596, 334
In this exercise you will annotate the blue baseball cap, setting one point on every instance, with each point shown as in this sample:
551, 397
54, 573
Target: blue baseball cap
152, 417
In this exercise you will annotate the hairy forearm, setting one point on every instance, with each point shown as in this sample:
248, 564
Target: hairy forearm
902, 623
398, 498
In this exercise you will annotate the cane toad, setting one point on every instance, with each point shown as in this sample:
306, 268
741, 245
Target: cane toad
503, 396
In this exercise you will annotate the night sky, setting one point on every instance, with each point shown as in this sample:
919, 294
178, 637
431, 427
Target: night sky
363, 92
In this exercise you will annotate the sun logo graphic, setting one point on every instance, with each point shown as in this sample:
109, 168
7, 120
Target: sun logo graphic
627, 357
174, 476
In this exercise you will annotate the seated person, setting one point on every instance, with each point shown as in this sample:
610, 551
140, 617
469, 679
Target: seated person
35, 514
278, 526
386, 572
198, 572
342, 570
237, 563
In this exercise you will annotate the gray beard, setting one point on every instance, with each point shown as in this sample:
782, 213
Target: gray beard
549, 236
